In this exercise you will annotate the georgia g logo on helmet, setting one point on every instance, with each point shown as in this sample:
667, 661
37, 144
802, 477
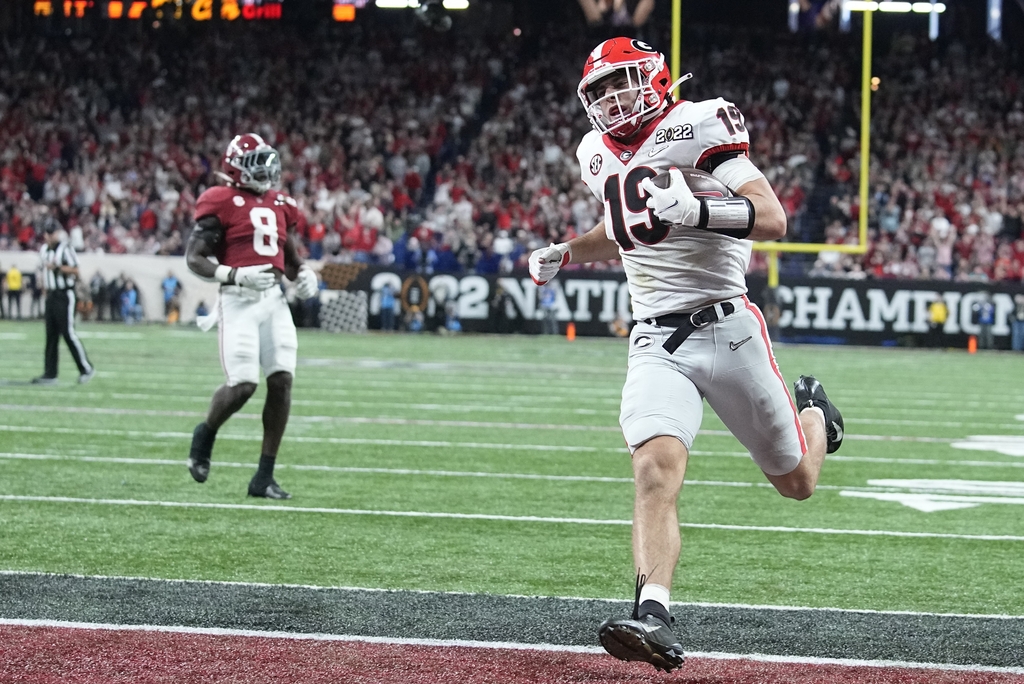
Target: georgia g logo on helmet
625, 83
250, 163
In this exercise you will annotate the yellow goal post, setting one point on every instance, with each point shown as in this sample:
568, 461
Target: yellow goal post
774, 248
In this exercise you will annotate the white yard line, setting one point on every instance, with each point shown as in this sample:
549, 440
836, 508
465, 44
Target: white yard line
423, 422
429, 472
444, 444
504, 645
501, 518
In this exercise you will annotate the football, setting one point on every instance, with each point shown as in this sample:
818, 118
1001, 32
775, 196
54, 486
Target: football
701, 183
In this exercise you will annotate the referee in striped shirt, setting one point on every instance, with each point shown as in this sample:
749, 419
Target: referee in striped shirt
60, 272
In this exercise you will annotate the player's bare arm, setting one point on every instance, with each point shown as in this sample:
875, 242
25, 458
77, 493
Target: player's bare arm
769, 216
202, 244
292, 261
307, 284
594, 245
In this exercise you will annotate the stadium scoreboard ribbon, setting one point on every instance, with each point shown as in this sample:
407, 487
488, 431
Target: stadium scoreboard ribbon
157, 10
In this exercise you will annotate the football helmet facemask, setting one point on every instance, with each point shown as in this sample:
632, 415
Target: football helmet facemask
647, 82
251, 163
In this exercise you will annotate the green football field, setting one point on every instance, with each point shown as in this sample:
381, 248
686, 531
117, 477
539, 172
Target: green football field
495, 464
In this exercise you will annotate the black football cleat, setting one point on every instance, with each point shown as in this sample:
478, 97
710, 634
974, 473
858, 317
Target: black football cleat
267, 490
648, 638
199, 453
809, 392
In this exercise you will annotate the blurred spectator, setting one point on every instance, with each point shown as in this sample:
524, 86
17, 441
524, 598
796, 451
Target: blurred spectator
98, 293
13, 279
388, 306
938, 312
35, 309
983, 314
616, 17
548, 307
500, 313
414, 319
1017, 323
131, 308
172, 297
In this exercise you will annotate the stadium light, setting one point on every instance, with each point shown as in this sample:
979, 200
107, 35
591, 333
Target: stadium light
918, 7
995, 19
413, 4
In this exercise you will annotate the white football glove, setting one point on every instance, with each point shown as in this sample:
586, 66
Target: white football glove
674, 204
255, 277
545, 262
307, 284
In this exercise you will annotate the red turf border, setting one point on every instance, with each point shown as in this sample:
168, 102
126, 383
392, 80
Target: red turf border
52, 655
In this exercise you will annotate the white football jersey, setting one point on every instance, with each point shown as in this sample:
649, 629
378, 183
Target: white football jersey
676, 269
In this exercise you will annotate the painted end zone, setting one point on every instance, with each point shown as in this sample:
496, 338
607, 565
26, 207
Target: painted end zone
52, 655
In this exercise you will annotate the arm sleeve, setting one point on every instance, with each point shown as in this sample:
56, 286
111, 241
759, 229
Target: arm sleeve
736, 172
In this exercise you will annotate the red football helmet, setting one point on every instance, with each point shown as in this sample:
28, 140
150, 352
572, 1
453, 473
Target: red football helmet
251, 163
647, 83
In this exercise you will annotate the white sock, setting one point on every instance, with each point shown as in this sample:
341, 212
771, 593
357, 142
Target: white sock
655, 592
819, 412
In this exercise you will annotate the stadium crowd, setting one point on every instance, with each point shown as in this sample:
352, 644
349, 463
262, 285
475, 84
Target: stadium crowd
449, 152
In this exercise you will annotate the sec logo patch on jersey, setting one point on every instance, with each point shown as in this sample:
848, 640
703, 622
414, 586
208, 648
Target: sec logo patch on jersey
595, 164
238, 200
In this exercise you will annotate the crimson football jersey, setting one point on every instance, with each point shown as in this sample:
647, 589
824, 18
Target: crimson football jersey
255, 226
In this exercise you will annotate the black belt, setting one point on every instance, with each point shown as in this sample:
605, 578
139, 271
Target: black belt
686, 323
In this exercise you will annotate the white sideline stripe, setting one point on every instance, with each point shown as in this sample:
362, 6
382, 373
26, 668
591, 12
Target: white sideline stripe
451, 473
503, 645
376, 590
504, 518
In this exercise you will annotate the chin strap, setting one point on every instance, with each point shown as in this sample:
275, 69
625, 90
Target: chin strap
686, 77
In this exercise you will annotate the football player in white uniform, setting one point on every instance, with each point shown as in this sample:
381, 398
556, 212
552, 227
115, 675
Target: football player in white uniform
697, 336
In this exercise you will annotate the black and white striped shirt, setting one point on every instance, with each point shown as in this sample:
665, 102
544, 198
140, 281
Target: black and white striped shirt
61, 255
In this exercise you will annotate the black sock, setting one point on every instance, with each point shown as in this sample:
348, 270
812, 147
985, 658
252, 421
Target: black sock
207, 433
656, 609
265, 473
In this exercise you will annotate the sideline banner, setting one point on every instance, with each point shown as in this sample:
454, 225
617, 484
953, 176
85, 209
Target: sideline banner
868, 312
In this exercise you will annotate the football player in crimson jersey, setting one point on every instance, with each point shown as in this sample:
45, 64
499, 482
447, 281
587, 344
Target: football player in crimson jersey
249, 229
697, 335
